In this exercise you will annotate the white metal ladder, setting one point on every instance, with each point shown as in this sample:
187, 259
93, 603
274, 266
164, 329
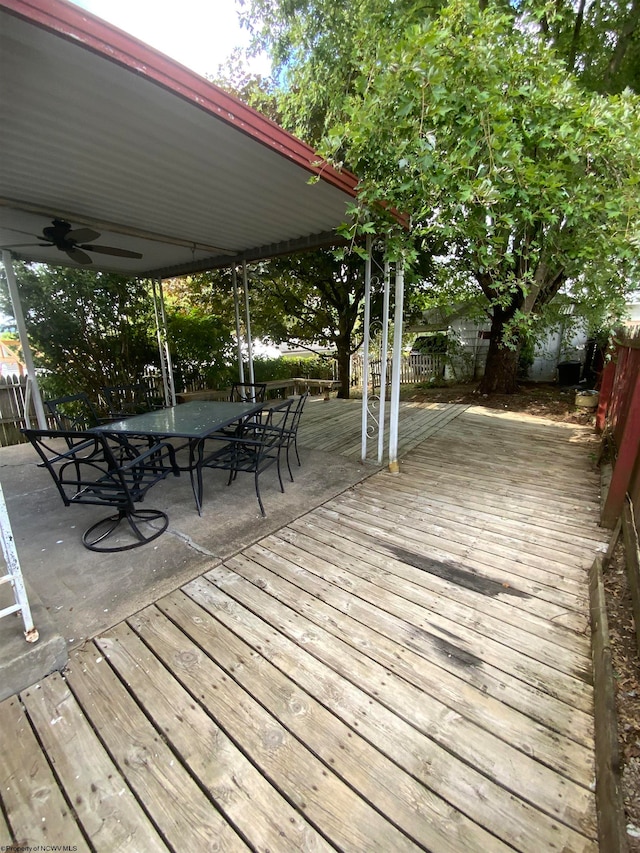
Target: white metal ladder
14, 575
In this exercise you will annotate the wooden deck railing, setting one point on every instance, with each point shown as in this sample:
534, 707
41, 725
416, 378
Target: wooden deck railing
619, 418
13, 396
275, 388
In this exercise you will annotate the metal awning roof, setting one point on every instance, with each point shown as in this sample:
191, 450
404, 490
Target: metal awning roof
104, 132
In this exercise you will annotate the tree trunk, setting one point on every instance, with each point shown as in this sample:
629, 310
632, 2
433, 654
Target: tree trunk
625, 38
501, 371
343, 358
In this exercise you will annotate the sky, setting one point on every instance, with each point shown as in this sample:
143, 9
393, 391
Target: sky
198, 33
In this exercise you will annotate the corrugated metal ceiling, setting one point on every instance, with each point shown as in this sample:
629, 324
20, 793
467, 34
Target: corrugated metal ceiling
106, 133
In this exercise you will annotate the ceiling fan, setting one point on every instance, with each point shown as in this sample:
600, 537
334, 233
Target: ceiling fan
75, 242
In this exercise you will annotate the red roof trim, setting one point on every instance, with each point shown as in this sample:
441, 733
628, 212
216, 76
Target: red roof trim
78, 26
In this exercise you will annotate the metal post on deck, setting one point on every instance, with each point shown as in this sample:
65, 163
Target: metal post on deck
365, 351
394, 467
236, 305
383, 358
14, 576
33, 386
247, 320
166, 366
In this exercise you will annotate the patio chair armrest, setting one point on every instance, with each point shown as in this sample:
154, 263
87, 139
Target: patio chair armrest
151, 452
70, 453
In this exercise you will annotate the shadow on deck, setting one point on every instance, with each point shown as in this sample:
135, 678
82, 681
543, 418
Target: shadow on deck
404, 665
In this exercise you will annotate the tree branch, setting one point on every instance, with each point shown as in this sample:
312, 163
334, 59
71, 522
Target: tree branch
624, 40
575, 38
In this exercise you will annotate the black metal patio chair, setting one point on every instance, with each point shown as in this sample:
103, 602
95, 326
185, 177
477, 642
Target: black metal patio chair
244, 392
256, 446
73, 412
76, 412
86, 470
125, 400
291, 430
248, 392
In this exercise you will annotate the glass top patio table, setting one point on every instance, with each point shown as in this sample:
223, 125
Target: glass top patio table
195, 421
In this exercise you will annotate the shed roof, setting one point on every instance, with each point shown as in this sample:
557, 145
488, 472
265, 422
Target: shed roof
102, 131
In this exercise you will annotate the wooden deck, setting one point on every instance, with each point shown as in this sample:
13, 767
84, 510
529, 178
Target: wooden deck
406, 667
416, 422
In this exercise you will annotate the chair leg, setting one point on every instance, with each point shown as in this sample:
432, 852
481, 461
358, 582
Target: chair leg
101, 530
264, 514
288, 465
279, 474
195, 473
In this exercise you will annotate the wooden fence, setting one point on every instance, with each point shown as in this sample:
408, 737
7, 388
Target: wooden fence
618, 418
413, 369
13, 397
13, 390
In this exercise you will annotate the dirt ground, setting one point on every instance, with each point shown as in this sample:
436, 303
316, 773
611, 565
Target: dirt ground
558, 403
546, 400
626, 673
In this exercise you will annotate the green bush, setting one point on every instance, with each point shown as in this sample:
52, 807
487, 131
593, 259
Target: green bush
290, 367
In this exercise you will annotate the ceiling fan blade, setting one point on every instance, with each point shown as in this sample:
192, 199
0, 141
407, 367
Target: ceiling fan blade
111, 250
83, 235
79, 256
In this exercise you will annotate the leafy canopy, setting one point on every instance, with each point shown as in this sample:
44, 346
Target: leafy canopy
87, 329
466, 119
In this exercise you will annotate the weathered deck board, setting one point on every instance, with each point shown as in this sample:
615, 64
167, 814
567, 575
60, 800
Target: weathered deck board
34, 804
406, 667
419, 608
178, 807
318, 630
5, 835
539, 705
461, 785
334, 426
436, 665
501, 544
110, 815
445, 581
470, 509
376, 778
248, 800
410, 544
291, 765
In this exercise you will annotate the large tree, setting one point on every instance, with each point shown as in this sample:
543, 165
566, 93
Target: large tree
468, 120
87, 329
200, 320
312, 298
599, 40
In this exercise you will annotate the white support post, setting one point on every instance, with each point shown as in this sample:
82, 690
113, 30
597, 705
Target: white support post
236, 305
365, 350
33, 386
394, 467
14, 576
247, 320
383, 360
166, 367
